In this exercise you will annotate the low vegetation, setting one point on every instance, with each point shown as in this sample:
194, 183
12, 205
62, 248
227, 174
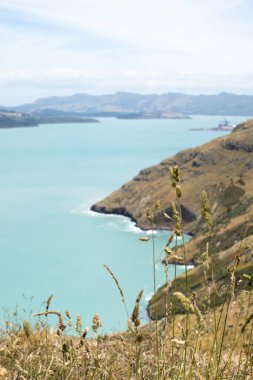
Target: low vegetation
197, 332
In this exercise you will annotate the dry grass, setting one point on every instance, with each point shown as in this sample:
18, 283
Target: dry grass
27, 353
212, 338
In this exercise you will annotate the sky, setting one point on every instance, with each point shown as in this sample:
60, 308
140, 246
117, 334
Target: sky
62, 47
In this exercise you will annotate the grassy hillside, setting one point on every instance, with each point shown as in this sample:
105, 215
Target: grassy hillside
223, 168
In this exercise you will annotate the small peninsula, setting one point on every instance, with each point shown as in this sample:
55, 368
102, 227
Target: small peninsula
14, 119
153, 115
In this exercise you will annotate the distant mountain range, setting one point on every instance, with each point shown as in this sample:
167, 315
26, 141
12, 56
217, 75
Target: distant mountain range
82, 108
131, 105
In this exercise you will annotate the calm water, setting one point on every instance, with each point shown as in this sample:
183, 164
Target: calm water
50, 242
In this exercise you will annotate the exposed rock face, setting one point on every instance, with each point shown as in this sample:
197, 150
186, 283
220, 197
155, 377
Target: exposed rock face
234, 145
117, 211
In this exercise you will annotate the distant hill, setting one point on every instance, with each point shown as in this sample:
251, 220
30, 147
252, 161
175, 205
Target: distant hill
15, 119
12, 119
50, 116
123, 104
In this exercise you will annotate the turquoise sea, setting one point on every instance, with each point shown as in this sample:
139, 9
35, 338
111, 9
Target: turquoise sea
50, 243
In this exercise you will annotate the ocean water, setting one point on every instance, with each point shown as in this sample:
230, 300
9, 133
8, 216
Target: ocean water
51, 243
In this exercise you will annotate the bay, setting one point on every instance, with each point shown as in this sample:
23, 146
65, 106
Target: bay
51, 243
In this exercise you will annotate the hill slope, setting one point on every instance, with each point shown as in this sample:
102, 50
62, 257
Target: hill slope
153, 105
223, 168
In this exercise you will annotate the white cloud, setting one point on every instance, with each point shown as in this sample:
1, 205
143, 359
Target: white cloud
229, 4
108, 45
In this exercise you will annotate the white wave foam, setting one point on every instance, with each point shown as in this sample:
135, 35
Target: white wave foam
124, 224
131, 227
120, 222
148, 296
84, 209
149, 232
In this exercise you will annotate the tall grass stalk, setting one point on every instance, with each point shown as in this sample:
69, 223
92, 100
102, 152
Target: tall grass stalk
119, 288
151, 215
230, 293
156, 315
177, 216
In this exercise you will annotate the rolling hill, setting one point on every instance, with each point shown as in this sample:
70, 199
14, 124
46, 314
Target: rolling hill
153, 105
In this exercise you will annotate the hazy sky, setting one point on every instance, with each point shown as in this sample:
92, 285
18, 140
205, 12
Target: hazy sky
61, 47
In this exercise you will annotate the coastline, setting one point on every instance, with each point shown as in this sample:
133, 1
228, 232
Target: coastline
201, 168
122, 211
146, 229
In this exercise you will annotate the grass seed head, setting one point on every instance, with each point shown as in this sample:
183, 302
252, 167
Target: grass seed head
178, 191
68, 314
205, 209
184, 301
174, 175
116, 282
149, 214
157, 205
79, 324
177, 219
27, 329
96, 322
49, 302
136, 312
144, 238
168, 251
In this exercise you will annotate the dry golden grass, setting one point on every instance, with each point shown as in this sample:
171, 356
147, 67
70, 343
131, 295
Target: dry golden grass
211, 339
34, 353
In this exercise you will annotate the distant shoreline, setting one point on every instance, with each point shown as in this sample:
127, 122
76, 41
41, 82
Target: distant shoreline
11, 119
210, 129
